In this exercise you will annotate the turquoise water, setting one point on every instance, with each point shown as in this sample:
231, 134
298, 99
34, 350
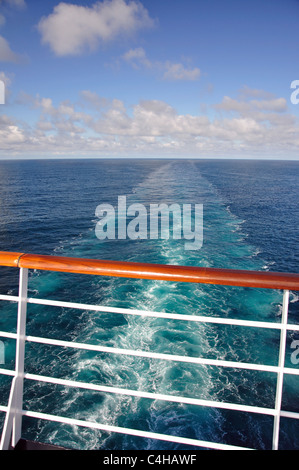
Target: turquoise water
250, 221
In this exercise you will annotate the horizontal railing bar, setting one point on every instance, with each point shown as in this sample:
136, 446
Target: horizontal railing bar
289, 414
169, 316
156, 396
12, 298
147, 313
8, 372
146, 354
152, 396
290, 371
6, 334
259, 279
152, 355
131, 432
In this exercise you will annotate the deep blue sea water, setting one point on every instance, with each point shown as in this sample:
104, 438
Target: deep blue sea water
251, 221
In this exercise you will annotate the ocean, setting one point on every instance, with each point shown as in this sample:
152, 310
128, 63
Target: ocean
250, 221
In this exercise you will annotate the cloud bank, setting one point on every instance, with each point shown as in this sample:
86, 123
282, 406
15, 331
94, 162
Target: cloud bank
251, 126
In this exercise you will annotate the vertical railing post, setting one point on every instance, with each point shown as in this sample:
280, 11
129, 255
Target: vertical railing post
8, 423
279, 384
20, 356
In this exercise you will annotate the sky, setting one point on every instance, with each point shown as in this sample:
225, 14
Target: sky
149, 78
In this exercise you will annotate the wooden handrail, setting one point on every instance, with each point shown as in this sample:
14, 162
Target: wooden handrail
231, 277
9, 258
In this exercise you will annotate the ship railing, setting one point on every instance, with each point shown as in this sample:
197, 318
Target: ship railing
12, 428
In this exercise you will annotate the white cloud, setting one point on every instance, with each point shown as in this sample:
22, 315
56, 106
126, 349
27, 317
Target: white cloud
73, 29
278, 105
232, 105
93, 99
179, 72
6, 54
246, 92
11, 135
44, 125
170, 71
137, 57
268, 102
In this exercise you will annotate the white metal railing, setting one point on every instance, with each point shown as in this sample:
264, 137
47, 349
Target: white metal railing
14, 410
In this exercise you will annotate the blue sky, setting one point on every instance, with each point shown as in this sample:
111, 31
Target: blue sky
154, 78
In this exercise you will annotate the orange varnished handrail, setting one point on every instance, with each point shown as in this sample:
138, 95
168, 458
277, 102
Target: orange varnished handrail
232, 277
9, 258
